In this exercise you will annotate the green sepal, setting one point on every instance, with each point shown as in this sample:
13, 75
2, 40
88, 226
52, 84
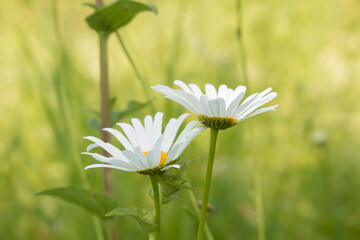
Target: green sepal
96, 203
172, 181
142, 216
116, 15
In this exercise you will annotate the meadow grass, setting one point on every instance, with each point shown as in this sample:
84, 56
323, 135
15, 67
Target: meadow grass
307, 51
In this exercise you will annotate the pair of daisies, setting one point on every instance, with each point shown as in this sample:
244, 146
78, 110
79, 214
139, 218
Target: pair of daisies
149, 150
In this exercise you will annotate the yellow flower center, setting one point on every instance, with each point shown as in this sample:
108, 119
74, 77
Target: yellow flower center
163, 157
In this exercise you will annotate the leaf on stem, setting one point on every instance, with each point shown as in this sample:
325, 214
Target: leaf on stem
116, 115
114, 16
142, 216
98, 204
172, 182
132, 106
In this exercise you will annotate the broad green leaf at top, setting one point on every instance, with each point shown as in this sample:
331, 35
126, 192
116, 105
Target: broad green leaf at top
114, 16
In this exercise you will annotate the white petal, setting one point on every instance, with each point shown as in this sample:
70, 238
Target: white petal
108, 166
263, 93
91, 146
156, 157
183, 86
233, 105
126, 165
214, 107
141, 135
239, 90
204, 100
133, 159
148, 122
183, 142
196, 90
192, 100
183, 102
222, 107
157, 128
98, 157
162, 89
143, 161
186, 131
192, 134
259, 102
229, 95
245, 104
222, 93
261, 110
119, 136
106, 146
170, 166
210, 91
130, 133
171, 130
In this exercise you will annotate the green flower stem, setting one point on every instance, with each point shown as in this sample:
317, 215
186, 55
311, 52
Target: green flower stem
214, 132
137, 73
155, 186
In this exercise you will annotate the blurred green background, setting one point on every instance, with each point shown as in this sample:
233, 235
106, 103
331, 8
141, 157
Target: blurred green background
308, 150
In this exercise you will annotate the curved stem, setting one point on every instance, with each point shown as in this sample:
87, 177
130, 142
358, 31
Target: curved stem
213, 137
137, 73
155, 186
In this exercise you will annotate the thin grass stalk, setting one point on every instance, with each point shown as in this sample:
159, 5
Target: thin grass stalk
137, 72
257, 171
175, 52
208, 233
240, 40
83, 181
259, 201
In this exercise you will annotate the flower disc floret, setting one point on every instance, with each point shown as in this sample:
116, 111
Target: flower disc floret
148, 149
219, 109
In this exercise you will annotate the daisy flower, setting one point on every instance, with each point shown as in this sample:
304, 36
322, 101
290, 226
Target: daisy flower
148, 150
219, 109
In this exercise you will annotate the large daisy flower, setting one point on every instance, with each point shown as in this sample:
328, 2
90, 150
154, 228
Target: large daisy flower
219, 109
148, 150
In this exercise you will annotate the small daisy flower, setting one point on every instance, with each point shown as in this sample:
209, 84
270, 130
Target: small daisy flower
219, 109
148, 150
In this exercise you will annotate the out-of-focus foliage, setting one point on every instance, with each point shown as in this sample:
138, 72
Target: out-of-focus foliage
308, 51
96, 203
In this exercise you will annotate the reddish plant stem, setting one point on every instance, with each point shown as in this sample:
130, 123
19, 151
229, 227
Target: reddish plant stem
105, 106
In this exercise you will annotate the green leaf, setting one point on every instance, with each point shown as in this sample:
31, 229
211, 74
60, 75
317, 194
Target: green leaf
94, 123
131, 107
143, 217
98, 204
172, 181
110, 18
116, 115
